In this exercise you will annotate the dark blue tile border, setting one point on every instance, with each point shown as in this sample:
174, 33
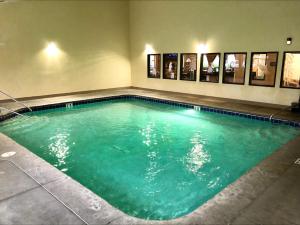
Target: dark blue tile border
157, 100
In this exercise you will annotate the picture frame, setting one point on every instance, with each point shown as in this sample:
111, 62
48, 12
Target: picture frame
188, 66
234, 68
154, 66
290, 71
210, 67
170, 66
263, 68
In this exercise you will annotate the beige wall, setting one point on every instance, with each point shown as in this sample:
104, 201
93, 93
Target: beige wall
225, 26
97, 37
92, 35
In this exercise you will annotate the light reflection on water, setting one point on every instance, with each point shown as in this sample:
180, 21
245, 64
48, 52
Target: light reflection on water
193, 161
59, 147
150, 140
197, 156
149, 135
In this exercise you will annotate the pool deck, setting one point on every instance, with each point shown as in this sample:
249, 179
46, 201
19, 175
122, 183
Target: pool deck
34, 192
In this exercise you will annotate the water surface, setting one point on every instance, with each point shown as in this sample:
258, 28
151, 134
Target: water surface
150, 160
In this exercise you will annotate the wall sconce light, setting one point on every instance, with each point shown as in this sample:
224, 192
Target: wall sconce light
149, 49
289, 41
52, 50
202, 48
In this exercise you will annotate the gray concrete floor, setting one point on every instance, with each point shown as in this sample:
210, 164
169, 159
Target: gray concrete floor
34, 192
23, 201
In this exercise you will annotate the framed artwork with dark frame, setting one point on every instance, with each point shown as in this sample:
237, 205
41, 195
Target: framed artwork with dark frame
170, 63
263, 69
188, 66
210, 67
234, 68
153, 65
290, 74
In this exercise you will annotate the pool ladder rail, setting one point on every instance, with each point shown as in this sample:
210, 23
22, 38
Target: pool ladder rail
15, 100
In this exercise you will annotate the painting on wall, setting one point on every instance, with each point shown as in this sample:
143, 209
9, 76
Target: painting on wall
263, 68
170, 62
290, 76
210, 67
153, 67
234, 68
188, 66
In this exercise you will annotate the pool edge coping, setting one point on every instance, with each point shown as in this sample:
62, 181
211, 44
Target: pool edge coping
200, 107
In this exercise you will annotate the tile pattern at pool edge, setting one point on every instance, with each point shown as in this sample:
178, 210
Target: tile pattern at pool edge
157, 100
279, 111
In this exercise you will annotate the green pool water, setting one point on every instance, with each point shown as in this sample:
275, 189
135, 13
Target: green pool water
150, 160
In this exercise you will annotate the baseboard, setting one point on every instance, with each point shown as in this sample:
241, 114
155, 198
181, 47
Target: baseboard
61, 94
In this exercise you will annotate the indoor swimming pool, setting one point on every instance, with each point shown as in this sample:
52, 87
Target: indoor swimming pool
150, 160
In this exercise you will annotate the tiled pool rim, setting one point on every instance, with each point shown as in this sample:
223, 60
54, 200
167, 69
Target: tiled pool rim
198, 107
157, 100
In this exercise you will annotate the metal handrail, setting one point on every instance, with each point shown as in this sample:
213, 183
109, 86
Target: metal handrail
15, 100
11, 111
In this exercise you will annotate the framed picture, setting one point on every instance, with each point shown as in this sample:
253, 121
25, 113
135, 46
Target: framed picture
188, 66
234, 68
263, 69
290, 74
153, 65
210, 67
170, 62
